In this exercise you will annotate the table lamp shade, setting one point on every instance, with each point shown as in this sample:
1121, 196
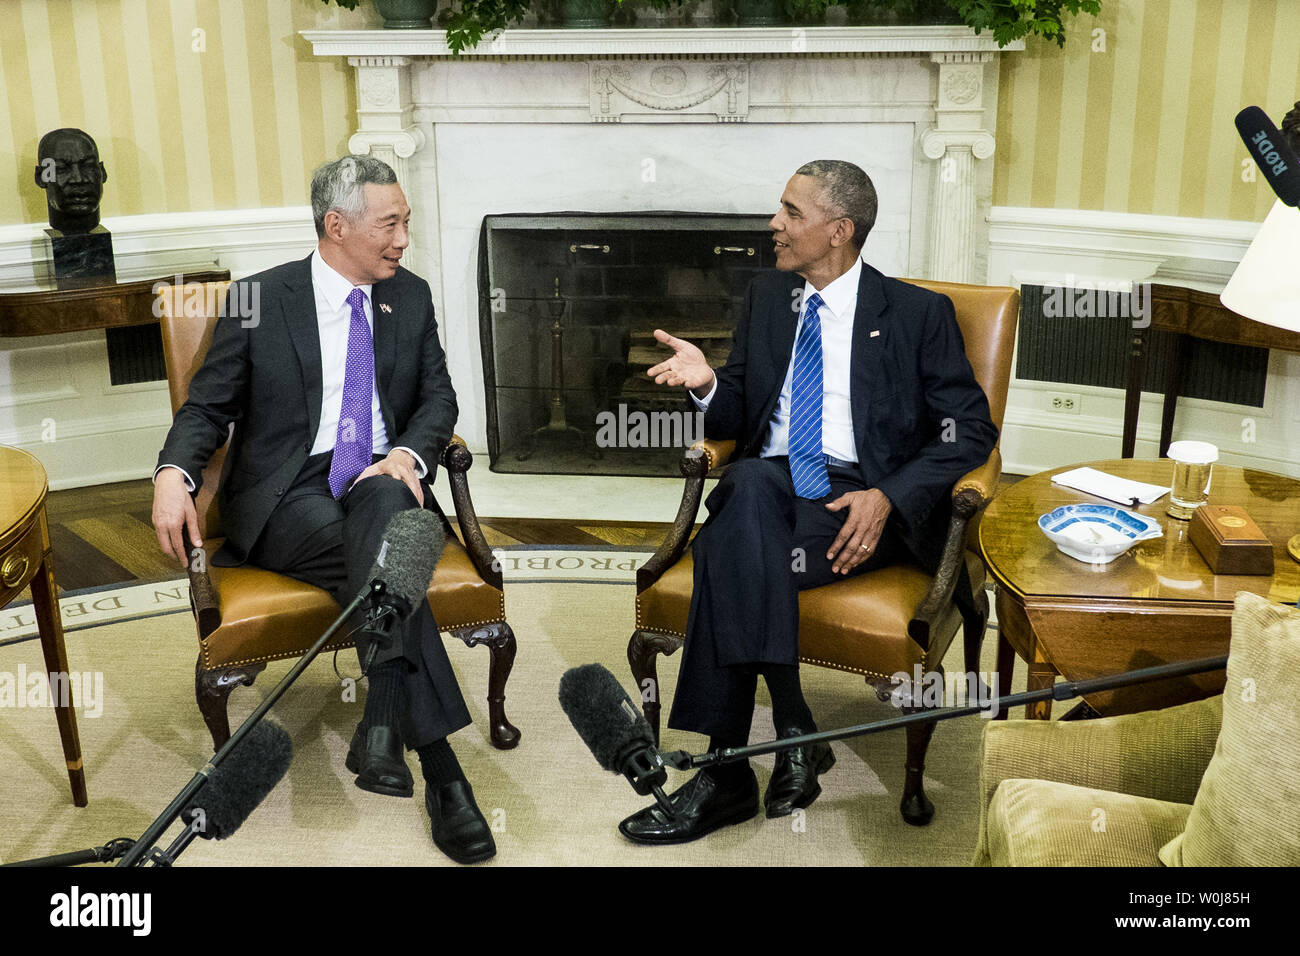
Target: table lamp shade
1266, 285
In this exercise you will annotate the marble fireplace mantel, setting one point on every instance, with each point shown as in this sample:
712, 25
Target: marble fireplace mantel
690, 118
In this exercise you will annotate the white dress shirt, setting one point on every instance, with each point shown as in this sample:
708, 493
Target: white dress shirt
840, 303
333, 325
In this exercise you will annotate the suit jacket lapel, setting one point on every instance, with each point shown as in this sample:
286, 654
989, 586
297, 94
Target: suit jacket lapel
304, 331
387, 313
867, 349
782, 320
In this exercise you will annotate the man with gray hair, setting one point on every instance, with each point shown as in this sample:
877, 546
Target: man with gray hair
341, 404
854, 410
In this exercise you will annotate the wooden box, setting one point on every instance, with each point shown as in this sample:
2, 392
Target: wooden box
1229, 541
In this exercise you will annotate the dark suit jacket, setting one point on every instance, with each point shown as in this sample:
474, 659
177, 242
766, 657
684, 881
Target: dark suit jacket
920, 420
266, 380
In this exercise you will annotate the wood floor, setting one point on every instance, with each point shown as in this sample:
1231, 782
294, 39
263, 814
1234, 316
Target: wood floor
103, 535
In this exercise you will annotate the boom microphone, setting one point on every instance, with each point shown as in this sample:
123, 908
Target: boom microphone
239, 784
614, 729
399, 578
1276, 158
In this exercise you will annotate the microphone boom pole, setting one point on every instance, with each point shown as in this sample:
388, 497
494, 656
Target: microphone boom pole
1066, 690
135, 856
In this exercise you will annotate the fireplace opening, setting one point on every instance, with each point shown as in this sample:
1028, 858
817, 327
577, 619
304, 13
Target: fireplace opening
568, 305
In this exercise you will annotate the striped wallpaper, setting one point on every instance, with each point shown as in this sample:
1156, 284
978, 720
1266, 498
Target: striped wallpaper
238, 125
1146, 126
1143, 127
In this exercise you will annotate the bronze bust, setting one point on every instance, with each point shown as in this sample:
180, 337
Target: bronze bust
69, 170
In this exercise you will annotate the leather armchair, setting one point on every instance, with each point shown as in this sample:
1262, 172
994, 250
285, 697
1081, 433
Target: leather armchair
247, 616
877, 623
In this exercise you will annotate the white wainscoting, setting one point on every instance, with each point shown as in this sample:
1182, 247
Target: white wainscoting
1053, 246
55, 398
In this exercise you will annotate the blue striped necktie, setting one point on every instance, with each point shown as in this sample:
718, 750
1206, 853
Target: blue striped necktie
807, 463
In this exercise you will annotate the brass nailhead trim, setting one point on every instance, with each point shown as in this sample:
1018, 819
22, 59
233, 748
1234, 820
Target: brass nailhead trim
207, 656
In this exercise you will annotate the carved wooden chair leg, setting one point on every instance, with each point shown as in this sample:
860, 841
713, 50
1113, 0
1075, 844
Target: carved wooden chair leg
916, 806
641, 652
212, 692
501, 644
975, 622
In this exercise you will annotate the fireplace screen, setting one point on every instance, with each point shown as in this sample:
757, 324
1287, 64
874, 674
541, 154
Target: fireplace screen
568, 305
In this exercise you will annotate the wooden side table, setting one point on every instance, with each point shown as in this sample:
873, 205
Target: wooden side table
25, 560
1157, 603
1190, 314
113, 305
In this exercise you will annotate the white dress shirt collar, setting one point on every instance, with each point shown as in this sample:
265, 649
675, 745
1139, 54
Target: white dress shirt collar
840, 293
330, 284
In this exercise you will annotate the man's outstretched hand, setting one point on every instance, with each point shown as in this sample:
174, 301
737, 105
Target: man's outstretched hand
858, 538
687, 366
174, 517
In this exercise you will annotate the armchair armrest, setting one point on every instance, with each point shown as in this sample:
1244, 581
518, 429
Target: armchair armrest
458, 459
718, 453
976, 488
970, 494
1160, 754
696, 463
204, 599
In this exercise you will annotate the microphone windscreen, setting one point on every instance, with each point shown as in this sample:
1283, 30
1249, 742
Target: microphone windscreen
1274, 155
412, 544
603, 714
239, 783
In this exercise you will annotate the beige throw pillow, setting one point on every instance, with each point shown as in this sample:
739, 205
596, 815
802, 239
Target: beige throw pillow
1247, 810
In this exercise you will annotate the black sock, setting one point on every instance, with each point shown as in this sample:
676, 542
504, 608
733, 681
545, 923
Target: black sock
384, 694
789, 709
729, 774
439, 764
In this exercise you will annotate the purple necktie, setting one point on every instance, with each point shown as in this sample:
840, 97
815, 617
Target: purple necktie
353, 443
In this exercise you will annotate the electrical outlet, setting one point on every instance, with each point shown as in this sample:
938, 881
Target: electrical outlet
1064, 402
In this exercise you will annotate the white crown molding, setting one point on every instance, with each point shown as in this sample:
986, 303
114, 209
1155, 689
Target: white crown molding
1122, 234
802, 41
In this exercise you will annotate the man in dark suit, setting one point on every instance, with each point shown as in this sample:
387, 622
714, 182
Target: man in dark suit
341, 404
854, 410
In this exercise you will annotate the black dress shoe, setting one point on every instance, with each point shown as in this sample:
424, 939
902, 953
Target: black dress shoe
702, 806
459, 829
376, 757
794, 778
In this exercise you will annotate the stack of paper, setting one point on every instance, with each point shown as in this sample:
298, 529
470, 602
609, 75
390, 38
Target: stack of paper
1122, 491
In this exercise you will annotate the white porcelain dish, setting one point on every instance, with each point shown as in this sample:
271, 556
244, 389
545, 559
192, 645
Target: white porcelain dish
1097, 534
